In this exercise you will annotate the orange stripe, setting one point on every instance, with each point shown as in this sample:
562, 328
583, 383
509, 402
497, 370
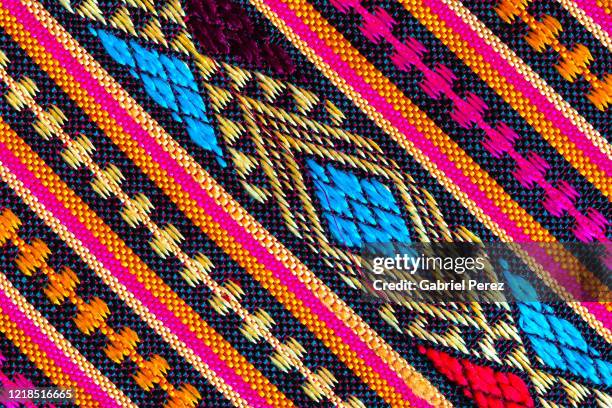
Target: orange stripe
422, 122
219, 290
144, 275
566, 260
412, 113
209, 184
109, 279
598, 32
39, 357
29, 348
412, 378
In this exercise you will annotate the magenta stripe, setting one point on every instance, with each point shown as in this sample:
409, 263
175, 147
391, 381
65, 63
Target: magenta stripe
206, 202
108, 260
551, 113
60, 359
218, 213
600, 312
352, 78
395, 117
598, 14
531, 92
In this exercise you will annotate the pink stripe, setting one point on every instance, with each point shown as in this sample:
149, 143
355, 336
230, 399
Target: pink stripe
19, 381
598, 14
568, 282
396, 119
600, 312
220, 215
552, 114
60, 359
108, 260
531, 92
374, 99
206, 202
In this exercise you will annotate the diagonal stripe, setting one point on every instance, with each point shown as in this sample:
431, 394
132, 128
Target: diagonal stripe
157, 304
51, 352
218, 290
375, 91
344, 332
577, 274
76, 245
389, 356
208, 185
9, 383
380, 94
588, 22
600, 11
558, 123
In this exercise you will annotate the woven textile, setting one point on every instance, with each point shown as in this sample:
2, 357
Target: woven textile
187, 188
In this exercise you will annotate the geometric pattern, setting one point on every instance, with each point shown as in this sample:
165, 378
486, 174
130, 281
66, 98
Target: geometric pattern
186, 188
346, 203
170, 83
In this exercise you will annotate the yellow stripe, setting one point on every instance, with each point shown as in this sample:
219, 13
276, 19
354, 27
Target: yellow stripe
412, 378
595, 29
425, 125
112, 336
565, 259
561, 291
154, 228
512, 96
40, 358
390, 356
504, 51
128, 259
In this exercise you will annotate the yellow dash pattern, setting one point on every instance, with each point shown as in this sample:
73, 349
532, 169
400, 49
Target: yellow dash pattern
372, 339
566, 260
92, 315
414, 379
164, 242
126, 256
421, 386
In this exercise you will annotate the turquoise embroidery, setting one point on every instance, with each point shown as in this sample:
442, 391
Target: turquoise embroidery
556, 341
358, 211
170, 83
